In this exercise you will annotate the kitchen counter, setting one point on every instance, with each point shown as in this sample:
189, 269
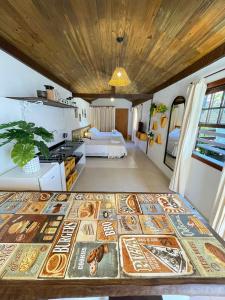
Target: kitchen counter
55, 245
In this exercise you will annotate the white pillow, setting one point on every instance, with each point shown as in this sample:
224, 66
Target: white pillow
93, 130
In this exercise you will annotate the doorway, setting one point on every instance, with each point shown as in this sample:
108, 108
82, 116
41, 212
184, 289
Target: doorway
121, 122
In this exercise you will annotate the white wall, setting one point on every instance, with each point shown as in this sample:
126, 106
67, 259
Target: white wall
118, 103
16, 79
203, 179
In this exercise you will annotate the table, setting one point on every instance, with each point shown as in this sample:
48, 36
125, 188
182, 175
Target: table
56, 245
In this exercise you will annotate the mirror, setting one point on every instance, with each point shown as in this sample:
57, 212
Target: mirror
173, 134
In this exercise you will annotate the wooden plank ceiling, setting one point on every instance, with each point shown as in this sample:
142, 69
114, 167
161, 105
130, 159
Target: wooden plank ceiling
75, 40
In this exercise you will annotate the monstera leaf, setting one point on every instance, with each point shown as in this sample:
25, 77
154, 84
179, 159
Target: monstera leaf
22, 153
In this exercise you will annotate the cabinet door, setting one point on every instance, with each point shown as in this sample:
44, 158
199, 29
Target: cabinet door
51, 181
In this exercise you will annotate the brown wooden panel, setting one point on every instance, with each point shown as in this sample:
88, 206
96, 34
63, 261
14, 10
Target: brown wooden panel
74, 41
122, 121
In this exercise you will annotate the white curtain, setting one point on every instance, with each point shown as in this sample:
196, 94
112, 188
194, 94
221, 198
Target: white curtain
103, 117
189, 129
137, 114
217, 218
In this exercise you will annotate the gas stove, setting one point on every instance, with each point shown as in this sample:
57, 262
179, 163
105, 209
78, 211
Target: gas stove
59, 152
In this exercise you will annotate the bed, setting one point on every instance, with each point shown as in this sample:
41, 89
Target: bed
173, 140
111, 147
95, 134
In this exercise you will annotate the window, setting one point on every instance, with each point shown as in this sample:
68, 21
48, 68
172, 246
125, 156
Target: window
210, 143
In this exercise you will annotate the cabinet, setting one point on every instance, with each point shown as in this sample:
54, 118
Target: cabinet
47, 179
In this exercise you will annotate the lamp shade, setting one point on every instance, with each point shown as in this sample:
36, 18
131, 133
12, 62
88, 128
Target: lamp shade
119, 77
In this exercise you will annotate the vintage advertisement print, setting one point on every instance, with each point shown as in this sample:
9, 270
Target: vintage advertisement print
87, 231
57, 261
10, 207
148, 255
6, 251
26, 261
156, 224
172, 204
189, 226
149, 204
32, 207
5, 195
129, 224
60, 197
104, 197
128, 204
208, 255
83, 196
107, 231
108, 210
84, 210
37, 196
30, 228
56, 208
4, 218
95, 260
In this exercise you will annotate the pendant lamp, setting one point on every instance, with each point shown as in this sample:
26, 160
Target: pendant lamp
119, 77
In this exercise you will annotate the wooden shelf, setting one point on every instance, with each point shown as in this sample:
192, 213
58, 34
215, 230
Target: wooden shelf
44, 100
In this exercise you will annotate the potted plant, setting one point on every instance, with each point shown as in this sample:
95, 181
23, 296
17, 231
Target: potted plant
153, 109
151, 136
161, 108
26, 138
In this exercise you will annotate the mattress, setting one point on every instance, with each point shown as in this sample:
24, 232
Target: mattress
111, 148
99, 135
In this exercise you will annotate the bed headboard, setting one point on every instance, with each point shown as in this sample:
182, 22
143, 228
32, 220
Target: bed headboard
79, 133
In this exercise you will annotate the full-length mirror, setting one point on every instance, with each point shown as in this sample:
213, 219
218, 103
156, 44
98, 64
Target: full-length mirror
173, 134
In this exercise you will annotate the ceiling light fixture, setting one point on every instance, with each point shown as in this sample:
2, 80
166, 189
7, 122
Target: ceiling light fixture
119, 77
112, 99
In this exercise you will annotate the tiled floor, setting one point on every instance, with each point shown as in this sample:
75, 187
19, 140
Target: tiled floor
134, 173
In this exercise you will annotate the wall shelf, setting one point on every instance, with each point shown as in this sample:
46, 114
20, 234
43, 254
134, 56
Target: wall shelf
44, 100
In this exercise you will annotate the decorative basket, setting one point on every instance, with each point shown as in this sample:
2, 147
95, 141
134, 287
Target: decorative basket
32, 166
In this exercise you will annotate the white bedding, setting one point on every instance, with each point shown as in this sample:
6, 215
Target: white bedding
111, 148
99, 135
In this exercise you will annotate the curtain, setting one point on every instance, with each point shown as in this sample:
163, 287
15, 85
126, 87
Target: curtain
103, 117
137, 115
217, 218
189, 129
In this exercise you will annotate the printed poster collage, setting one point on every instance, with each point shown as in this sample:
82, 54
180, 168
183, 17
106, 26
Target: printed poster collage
46, 235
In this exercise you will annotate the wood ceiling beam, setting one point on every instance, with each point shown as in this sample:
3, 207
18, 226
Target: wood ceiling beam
130, 97
206, 60
19, 55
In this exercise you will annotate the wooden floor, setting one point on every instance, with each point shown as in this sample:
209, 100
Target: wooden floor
136, 172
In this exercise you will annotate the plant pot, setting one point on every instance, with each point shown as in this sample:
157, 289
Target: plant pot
32, 166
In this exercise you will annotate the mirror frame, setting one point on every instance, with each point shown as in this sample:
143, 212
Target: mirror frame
177, 100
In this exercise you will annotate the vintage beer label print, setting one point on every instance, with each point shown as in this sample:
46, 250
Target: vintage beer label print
104, 197
93, 260
38, 196
128, 204
57, 261
149, 204
189, 226
107, 231
84, 210
4, 218
87, 231
156, 224
148, 255
172, 204
30, 228
129, 224
207, 254
83, 196
26, 261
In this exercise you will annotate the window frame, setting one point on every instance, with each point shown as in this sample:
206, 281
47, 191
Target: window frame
212, 87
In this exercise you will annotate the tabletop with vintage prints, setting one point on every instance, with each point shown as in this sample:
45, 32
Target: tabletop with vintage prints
46, 235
